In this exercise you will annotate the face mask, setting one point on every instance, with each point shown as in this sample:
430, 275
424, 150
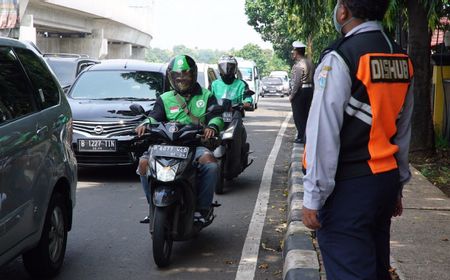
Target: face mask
337, 25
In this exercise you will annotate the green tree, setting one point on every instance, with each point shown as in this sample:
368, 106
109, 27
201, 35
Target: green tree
276, 64
255, 53
422, 17
158, 55
182, 49
311, 20
310, 23
269, 18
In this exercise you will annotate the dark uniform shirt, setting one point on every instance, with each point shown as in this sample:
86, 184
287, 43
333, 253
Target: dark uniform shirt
301, 74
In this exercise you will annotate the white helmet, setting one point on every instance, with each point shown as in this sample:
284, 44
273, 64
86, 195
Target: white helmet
298, 45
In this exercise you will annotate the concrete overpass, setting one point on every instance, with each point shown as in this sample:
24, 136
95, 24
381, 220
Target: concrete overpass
99, 28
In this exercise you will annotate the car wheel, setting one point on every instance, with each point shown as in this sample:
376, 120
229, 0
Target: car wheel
46, 259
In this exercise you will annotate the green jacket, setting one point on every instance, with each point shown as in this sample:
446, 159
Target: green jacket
167, 108
235, 91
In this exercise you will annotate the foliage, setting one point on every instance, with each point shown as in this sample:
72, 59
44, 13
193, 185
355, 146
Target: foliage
158, 55
435, 167
309, 18
270, 20
266, 60
255, 53
276, 64
199, 55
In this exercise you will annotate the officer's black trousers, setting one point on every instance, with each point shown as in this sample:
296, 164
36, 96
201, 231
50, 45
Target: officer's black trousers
300, 109
355, 232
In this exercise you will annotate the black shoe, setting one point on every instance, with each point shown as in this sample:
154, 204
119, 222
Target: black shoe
299, 141
146, 220
202, 216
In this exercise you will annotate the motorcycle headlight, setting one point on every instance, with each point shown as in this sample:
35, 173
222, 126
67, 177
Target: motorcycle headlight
228, 133
166, 173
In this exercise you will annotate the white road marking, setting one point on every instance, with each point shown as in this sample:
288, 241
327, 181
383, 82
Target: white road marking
249, 257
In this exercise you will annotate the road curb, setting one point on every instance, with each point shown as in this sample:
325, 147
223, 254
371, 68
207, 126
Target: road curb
300, 257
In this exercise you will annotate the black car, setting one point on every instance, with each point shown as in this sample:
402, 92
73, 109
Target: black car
67, 66
272, 86
103, 124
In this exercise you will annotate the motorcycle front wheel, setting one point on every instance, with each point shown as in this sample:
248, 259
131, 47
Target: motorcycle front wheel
162, 241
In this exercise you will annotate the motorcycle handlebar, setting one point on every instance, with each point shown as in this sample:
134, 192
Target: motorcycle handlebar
198, 136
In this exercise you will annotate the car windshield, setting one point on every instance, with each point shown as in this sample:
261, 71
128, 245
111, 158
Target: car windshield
272, 80
246, 73
110, 85
65, 71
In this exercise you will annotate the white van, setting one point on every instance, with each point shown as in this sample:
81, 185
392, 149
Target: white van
250, 75
206, 74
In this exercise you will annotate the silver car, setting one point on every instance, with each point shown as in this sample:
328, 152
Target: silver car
38, 172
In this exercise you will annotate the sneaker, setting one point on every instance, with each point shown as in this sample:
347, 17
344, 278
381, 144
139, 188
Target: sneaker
206, 213
146, 220
199, 218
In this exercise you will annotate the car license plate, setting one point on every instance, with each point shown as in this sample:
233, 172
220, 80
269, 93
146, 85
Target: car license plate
227, 116
170, 151
97, 145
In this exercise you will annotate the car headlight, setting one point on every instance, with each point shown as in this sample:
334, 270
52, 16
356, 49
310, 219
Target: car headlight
166, 173
280, 87
264, 87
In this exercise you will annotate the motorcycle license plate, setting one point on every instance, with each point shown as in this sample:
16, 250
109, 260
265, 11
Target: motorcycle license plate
170, 151
227, 116
97, 145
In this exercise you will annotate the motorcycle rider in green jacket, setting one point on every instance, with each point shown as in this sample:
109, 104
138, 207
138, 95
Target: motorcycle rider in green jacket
187, 104
228, 86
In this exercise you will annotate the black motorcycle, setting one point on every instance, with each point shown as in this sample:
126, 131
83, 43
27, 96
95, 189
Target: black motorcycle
233, 153
172, 183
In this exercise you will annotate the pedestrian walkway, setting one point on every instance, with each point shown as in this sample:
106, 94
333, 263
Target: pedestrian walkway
420, 246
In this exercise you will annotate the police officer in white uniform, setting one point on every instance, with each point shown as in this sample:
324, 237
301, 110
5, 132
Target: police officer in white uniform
301, 88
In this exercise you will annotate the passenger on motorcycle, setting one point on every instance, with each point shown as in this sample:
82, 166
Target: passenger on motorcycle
186, 104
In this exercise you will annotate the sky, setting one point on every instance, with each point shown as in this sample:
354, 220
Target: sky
203, 24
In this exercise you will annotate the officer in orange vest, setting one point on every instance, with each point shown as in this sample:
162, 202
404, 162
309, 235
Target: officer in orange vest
358, 134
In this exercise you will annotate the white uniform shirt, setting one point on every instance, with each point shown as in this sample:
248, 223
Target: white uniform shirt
331, 95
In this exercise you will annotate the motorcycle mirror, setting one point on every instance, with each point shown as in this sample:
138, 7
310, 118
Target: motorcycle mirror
137, 109
215, 109
248, 93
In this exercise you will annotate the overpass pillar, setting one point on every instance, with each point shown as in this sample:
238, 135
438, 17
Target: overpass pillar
92, 44
27, 31
138, 53
119, 50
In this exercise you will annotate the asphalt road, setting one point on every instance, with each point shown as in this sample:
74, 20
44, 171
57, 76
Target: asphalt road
108, 242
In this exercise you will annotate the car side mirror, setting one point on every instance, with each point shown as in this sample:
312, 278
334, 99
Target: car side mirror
137, 109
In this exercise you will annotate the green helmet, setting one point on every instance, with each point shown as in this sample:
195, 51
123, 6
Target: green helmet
182, 73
